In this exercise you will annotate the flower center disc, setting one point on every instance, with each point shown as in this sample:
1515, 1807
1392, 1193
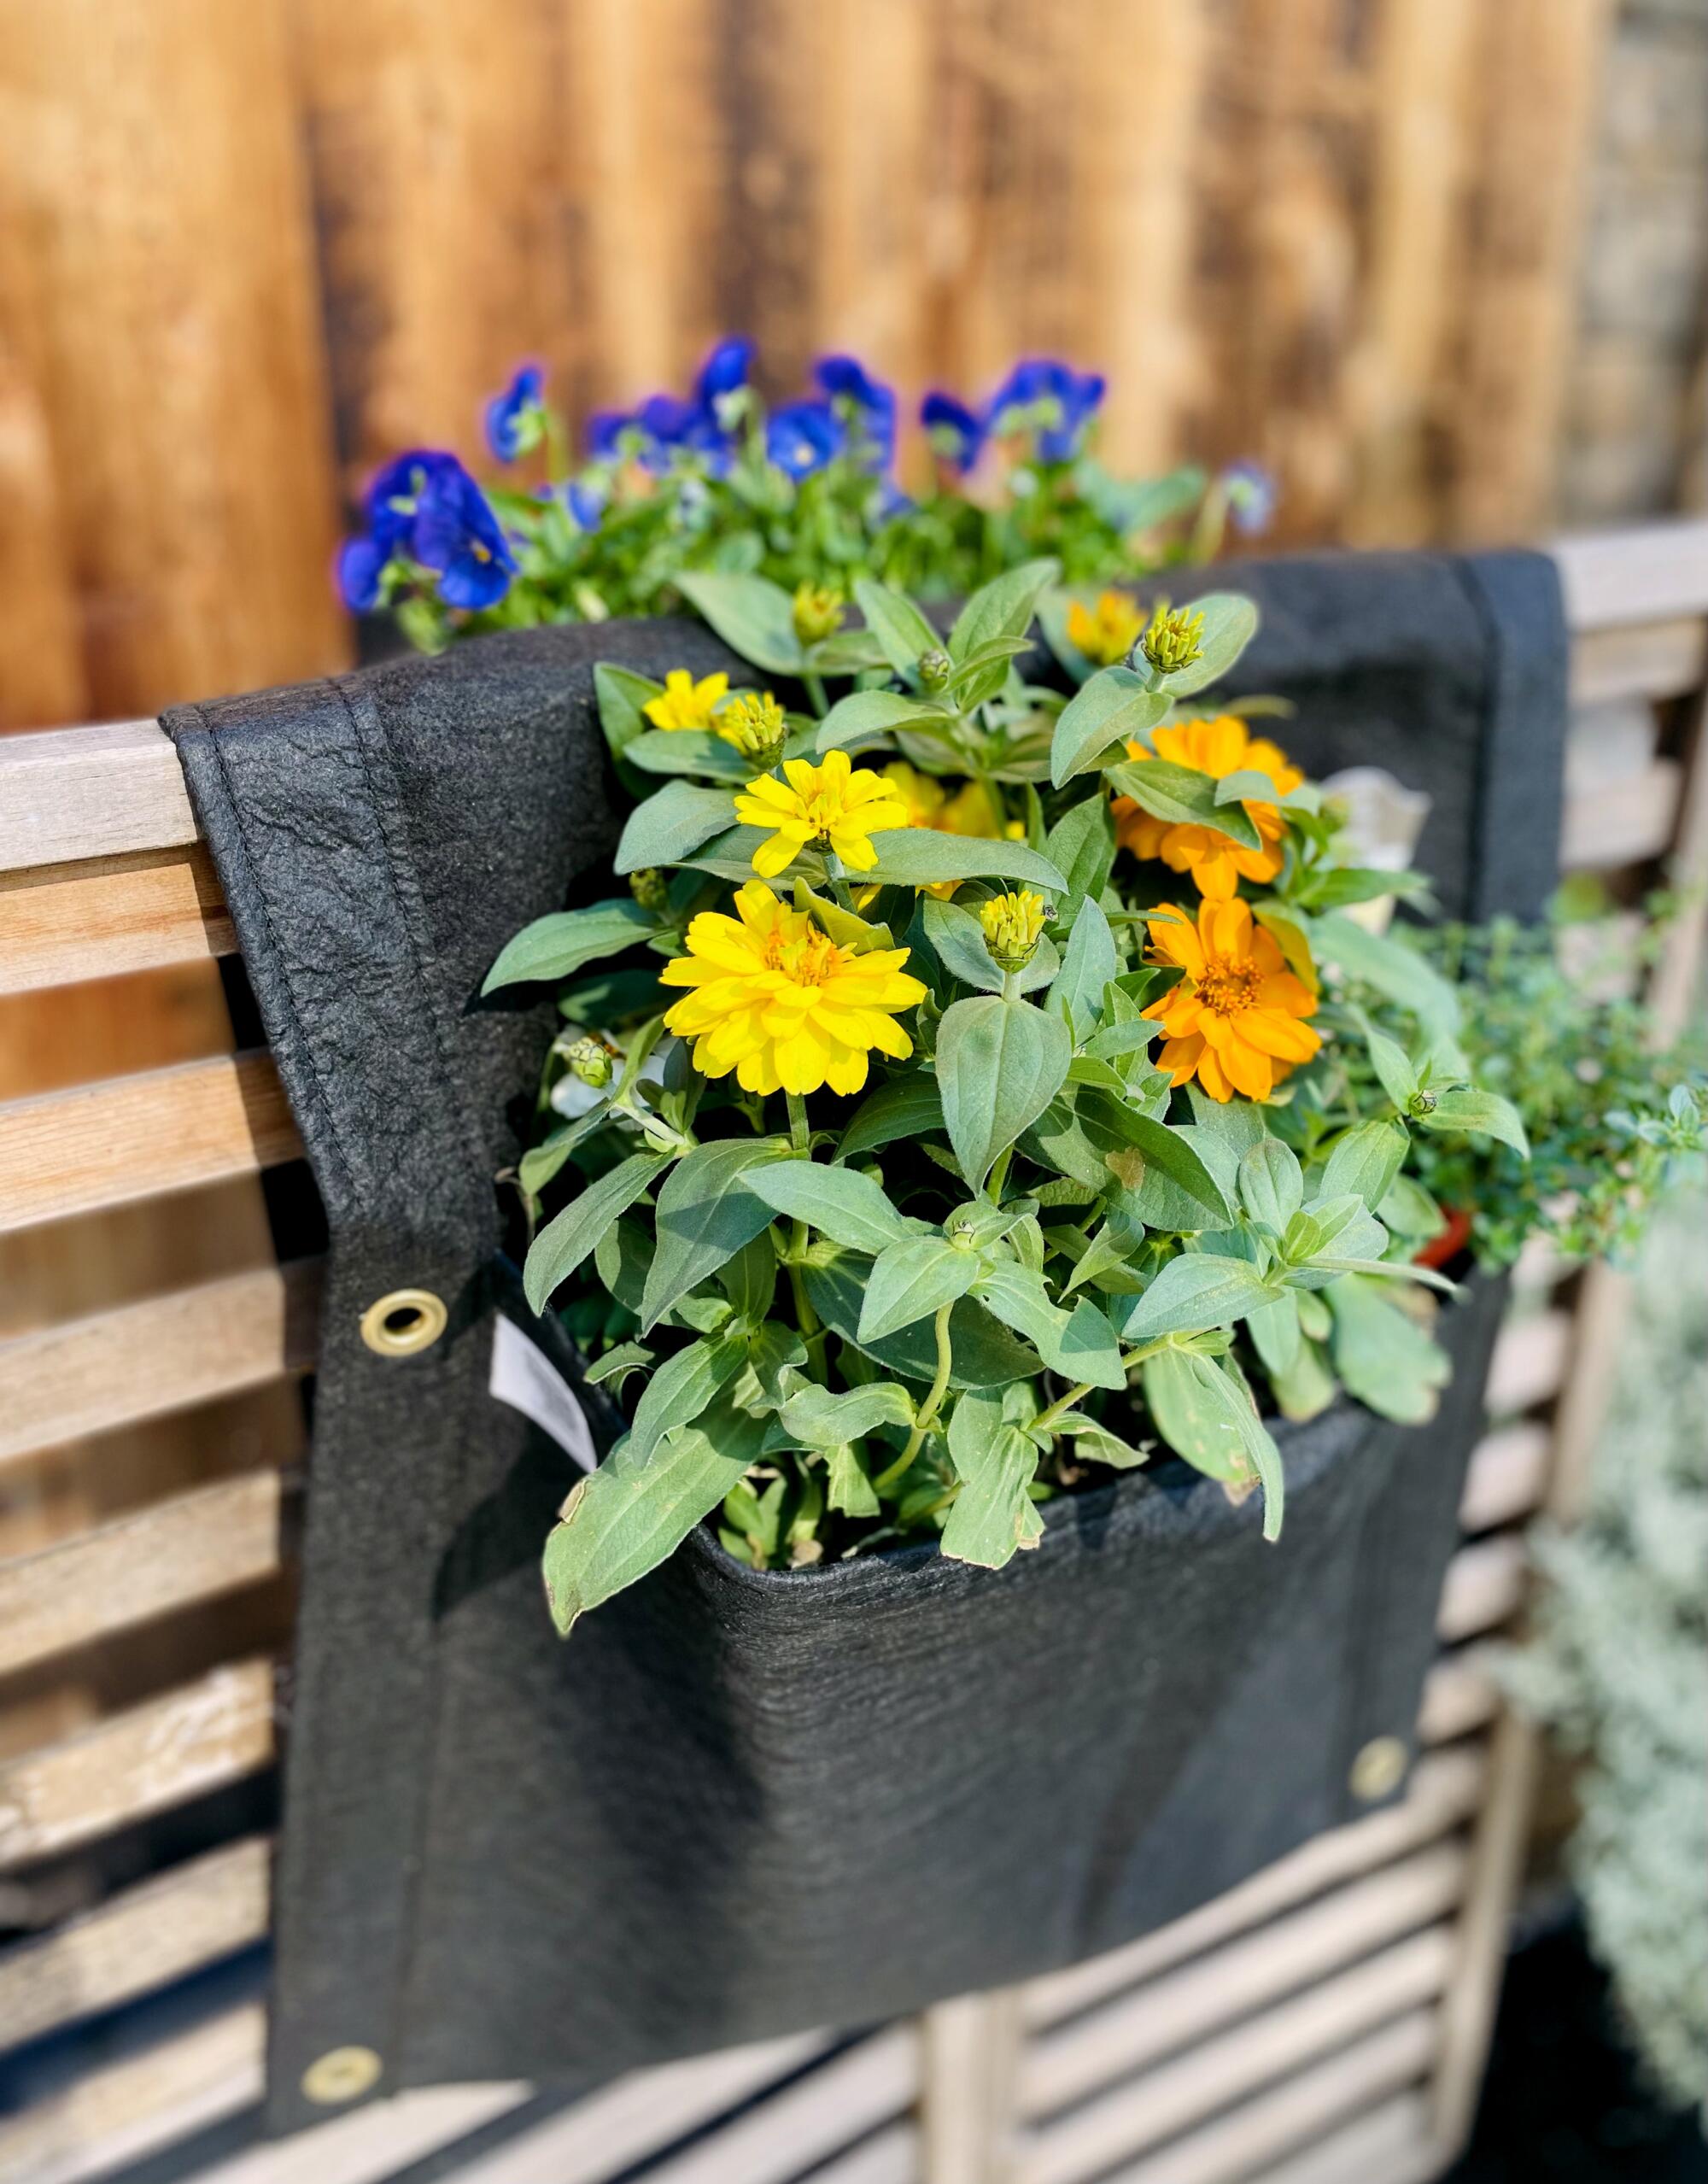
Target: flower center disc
809, 961
1227, 986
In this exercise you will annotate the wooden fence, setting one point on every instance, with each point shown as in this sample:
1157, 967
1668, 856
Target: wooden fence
247, 247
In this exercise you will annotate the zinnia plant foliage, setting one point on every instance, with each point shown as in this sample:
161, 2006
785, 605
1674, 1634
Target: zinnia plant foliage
973, 1087
805, 494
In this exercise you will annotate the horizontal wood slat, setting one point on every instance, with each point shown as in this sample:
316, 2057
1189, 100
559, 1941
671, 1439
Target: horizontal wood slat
1201, 1998
1444, 1791
1485, 1584
1460, 1695
1156, 2105
1507, 1477
1621, 821
192, 1548
62, 923
1645, 572
1309, 2107
141, 1137
1529, 1364
147, 1760
1391, 2145
89, 1376
118, 2112
1644, 660
72, 792
144, 1938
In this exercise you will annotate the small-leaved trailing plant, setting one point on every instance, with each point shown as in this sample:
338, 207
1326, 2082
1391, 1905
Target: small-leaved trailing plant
805, 494
975, 1087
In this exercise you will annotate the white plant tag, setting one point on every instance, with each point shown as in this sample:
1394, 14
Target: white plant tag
522, 1376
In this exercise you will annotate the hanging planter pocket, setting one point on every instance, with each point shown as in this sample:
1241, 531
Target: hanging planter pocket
736, 1803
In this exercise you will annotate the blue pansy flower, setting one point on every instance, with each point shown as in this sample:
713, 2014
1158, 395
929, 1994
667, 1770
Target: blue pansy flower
359, 565
1074, 397
513, 417
724, 371
955, 432
457, 533
801, 437
845, 380
1251, 496
392, 500
584, 503
605, 430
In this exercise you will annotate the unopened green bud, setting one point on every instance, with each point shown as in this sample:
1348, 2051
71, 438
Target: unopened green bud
650, 887
1422, 1103
593, 1061
817, 612
935, 668
1013, 925
756, 725
1175, 637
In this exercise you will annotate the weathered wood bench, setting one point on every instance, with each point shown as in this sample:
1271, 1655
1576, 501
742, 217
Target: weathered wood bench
1327, 2022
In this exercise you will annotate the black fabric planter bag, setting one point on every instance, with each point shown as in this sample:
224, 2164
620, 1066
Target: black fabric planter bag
735, 1804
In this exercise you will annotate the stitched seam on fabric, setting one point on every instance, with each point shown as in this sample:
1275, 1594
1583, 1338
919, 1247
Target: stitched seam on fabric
1488, 714
302, 1047
410, 917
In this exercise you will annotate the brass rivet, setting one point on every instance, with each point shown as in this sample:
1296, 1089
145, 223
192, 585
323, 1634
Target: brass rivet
403, 1322
341, 2074
1379, 1768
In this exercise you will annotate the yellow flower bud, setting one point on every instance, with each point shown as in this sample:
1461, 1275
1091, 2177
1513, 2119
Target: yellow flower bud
1109, 632
1175, 637
1013, 925
818, 612
756, 724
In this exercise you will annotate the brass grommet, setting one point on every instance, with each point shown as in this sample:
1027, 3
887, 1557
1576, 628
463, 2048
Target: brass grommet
404, 1322
1379, 1769
341, 2074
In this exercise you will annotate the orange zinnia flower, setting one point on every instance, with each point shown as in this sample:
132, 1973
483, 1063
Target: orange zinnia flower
1216, 862
1234, 1020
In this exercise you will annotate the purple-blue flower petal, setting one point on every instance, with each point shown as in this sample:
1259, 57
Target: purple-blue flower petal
802, 436
507, 413
359, 567
724, 371
1251, 496
956, 433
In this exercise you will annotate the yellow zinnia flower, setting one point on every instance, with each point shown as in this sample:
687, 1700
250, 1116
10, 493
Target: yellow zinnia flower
684, 703
1216, 861
1109, 632
756, 725
829, 806
778, 1001
1234, 1020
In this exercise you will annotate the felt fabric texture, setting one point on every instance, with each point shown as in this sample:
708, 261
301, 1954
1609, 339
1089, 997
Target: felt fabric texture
735, 1804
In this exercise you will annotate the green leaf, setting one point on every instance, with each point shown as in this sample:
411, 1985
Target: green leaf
1383, 1355
540, 1162
1392, 1065
1206, 1416
1097, 1443
1247, 785
1195, 1293
911, 1107
621, 696
896, 622
1076, 991
848, 1488
617, 1364
672, 823
1364, 1160
1115, 707
1398, 972
1271, 1183
849, 652
680, 1389
688, 751
911, 1280
1175, 1188
1230, 625
1238, 1122
569, 1236
1275, 1335
957, 939
1081, 845
749, 1279
554, 946
753, 616
847, 1206
818, 1420
917, 857
999, 1064
843, 926
1003, 608
986, 1355
1181, 796
992, 1516
632, 1513
703, 1218
1079, 1344
1483, 1112
866, 714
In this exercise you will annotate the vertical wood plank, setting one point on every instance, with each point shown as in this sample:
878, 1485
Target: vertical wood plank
150, 155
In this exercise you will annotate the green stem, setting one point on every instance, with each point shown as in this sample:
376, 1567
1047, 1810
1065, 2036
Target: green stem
815, 691
996, 1182
1045, 1419
927, 1415
799, 1136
